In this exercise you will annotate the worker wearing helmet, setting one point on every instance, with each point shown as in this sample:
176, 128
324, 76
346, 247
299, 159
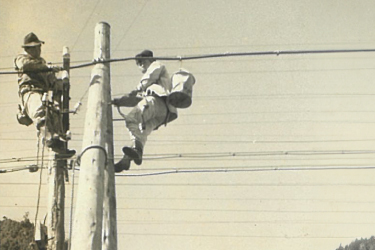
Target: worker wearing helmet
151, 112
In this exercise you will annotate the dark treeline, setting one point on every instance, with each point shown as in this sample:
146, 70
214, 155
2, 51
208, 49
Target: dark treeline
362, 244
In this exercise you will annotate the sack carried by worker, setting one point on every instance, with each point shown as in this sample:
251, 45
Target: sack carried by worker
22, 117
182, 89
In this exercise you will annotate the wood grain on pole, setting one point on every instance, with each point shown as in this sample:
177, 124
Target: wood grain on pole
87, 226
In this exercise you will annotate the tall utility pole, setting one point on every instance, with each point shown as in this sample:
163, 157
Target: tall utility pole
109, 205
57, 168
87, 227
66, 92
56, 203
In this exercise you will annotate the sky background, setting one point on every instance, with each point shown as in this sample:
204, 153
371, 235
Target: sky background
293, 113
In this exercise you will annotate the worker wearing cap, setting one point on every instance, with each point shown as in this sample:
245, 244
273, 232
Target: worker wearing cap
34, 79
151, 112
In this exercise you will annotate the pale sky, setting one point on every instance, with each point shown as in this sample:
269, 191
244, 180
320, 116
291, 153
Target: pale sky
296, 113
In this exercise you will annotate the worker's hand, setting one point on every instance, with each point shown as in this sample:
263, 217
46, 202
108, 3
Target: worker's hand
134, 92
116, 101
55, 69
126, 101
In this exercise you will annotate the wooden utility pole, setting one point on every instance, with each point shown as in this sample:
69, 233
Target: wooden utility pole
95, 156
109, 206
66, 91
57, 168
56, 203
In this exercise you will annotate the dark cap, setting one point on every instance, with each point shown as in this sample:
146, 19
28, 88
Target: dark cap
31, 40
146, 53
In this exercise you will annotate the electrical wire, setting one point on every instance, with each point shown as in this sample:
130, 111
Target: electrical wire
263, 153
184, 141
237, 236
31, 168
85, 25
257, 222
178, 171
218, 55
220, 155
132, 23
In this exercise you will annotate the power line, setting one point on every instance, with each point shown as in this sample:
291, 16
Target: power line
253, 141
84, 26
262, 199
31, 168
210, 155
265, 122
264, 153
233, 154
222, 210
220, 55
254, 222
263, 184
245, 170
215, 199
180, 58
239, 236
132, 23
240, 169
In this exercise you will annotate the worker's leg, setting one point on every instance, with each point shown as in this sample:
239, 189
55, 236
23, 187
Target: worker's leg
34, 108
145, 117
150, 113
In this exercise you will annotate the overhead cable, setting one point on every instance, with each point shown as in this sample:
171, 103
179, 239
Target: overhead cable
179, 171
218, 55
31, 168
225, 154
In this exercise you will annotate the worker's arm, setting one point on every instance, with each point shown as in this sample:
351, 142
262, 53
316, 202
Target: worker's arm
126, 101
26, 63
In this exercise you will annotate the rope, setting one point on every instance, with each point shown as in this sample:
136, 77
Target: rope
79, 103
227, 54
41, 167
71, 207
119, 111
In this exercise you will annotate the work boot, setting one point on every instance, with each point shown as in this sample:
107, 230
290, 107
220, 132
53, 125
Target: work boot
55, 143
58, 146
135, 153
123, 164
68, 153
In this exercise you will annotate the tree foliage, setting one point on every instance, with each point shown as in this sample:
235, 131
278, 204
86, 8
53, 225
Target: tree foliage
16, 235
362, 244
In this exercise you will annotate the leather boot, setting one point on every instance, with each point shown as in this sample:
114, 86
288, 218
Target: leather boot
135, 152
123, 164
58, 146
